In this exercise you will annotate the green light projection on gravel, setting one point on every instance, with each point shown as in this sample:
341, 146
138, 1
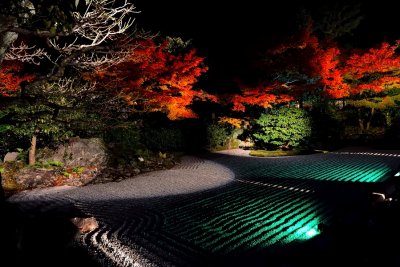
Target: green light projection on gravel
247, 217
328, 169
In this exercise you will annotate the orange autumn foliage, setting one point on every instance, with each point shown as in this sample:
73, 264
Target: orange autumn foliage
154, 79
235, 122
263, 96
331, 75
294, 56
11, 79
377, 85
373, 70
380, 67
302, 65
383, 60
304, 39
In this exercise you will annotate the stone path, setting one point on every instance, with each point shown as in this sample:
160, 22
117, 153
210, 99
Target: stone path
219, 209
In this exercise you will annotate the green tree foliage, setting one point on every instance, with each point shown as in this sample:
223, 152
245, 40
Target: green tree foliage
64, 38
284, 128
52, 124
369, 103
217, 135
124, 140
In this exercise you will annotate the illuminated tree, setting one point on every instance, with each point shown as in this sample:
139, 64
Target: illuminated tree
282, 128
288, 72
74, 31
331, 73
374, 77
302, 66
63, 37
154, 79
260, 96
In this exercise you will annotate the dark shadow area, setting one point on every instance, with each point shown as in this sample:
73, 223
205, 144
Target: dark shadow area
38, 238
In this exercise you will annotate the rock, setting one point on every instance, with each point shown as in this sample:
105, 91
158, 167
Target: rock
85, 225
11, 156
81, 152
10, 169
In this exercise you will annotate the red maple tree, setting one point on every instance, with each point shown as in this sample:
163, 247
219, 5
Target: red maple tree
152, 78
302, 63
263, 96
288, 68
331, 74
374, 70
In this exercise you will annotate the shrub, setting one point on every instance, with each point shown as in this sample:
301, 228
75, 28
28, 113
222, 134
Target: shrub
222, 136
163, 139
284, 128
124, 140
217, 135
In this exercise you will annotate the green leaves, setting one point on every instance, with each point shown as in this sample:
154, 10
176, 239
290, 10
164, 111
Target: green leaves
282, 128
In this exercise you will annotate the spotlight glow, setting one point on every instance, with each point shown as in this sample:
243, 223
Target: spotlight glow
311, 233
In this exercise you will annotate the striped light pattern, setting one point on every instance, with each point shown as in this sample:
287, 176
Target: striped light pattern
270, 202
247, 217
327, 167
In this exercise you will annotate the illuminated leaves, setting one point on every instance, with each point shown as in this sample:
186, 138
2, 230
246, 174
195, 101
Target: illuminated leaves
11, 78
235, 122
304, 65
383, 59
263, 96
331, 75
289, 71
154, 79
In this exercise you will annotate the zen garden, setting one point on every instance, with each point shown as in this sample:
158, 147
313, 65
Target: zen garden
123, 146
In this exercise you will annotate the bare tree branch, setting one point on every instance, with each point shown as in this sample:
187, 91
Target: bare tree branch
67, 87
100, 22
25, 53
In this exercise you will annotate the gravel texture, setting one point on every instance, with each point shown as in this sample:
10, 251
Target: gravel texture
151, 219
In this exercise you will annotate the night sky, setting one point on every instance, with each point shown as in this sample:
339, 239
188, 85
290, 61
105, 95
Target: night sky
230, 35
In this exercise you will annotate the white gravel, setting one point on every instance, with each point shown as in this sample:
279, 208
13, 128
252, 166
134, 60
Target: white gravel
191, 175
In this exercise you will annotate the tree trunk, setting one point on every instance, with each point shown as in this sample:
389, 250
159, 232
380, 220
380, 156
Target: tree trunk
370, 119
388, 118
32, 151
360, 122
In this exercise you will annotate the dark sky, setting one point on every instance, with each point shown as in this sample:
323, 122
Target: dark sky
229, 35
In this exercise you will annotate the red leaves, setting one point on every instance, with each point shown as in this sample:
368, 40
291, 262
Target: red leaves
304, 39
262, 96
303, 64
158, 79
383, 59
10, 78
375, 70
377, 85
331, 74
